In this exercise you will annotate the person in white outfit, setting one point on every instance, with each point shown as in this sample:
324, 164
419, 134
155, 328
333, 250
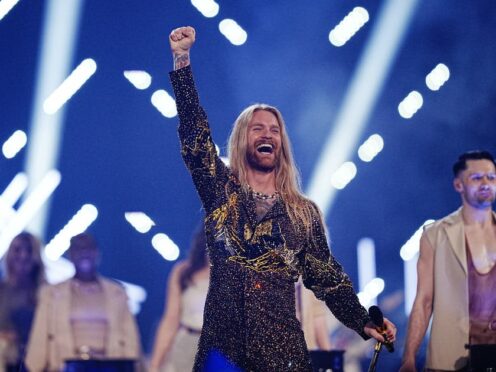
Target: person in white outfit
180, 327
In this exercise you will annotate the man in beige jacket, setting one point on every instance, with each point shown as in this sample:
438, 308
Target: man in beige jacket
456, 272
86, 317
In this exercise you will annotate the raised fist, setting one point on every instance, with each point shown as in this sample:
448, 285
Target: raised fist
181, 39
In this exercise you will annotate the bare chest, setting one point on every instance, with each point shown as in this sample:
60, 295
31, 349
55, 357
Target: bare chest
482, 245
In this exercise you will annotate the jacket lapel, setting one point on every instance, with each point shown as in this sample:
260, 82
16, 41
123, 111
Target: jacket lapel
456, 236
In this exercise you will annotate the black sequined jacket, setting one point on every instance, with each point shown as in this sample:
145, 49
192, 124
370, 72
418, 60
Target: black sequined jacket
249, 318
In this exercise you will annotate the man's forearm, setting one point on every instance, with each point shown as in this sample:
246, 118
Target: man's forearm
417, 326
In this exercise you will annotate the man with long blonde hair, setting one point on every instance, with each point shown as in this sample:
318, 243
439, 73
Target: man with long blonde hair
262, 235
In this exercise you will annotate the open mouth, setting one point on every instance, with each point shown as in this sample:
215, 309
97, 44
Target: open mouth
265, 148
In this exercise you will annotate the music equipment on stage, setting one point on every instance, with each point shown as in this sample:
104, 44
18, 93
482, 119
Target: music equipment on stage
107, 365
323, 361
482, 358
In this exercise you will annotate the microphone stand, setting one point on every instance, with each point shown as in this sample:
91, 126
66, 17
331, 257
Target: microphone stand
373, 362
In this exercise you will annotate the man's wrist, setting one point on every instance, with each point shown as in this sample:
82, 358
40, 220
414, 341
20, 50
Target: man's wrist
181, 60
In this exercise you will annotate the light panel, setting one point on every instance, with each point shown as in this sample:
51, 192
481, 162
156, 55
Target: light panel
348, 26
6, 6
140, 221
14, 144
343, 175
70, 86
437, 77
208, 8
138, 78
410, 104
28, 209
165, 246
370, 148
164, 103
233, 32
78, 224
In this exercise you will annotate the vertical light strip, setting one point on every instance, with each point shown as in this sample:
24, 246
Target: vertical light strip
410, 277
361, 97
366, 262
61, 24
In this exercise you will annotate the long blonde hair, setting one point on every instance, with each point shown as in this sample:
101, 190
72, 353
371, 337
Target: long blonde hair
288, 184
37, 275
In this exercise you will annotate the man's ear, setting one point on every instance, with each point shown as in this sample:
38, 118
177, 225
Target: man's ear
457, 184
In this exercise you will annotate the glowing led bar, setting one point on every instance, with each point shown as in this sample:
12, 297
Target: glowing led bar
343, 175
10, 196
76, 225
140, 221
233, 32
140, 79
6, 6
208, 8
348, 26
14, 144
370, 148
410, 104
437, 77
29, 208
69, 86
373, 289
164, 103
14, 190
165, 246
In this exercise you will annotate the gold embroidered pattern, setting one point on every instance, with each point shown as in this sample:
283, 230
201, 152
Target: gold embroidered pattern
265, 228
269, 261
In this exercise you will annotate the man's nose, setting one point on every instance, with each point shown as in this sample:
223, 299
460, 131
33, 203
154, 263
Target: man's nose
267, 133
485, 181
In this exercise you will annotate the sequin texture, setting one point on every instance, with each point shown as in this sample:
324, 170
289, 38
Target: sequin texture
250, 316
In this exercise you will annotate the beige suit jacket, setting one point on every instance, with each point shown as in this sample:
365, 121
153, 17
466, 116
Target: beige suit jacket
450, 318
51, 342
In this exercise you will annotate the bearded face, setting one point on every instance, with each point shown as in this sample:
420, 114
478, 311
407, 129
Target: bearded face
264, 141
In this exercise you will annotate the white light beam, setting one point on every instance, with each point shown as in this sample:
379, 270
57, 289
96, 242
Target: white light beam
361, 97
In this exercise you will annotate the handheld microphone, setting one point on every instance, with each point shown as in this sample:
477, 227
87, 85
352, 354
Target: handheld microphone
378, 319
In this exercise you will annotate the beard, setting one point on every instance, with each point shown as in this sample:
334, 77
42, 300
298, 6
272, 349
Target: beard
482, 201
485, 200
261, 164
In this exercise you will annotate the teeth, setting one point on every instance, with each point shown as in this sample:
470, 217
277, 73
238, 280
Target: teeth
264, 146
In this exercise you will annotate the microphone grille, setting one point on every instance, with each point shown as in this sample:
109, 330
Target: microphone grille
376, 315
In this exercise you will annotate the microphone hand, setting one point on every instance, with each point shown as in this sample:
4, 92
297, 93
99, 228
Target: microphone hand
386, 329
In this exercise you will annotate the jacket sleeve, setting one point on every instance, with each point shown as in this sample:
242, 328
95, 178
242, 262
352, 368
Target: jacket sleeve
209, 173
37, 348
326, 278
